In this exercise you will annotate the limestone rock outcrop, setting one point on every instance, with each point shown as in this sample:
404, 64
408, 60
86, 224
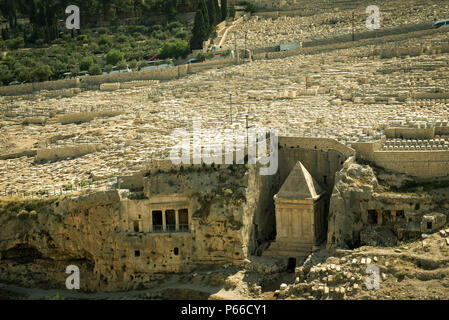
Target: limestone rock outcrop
354, 183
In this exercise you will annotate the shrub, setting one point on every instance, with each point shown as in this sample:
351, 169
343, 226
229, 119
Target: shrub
24, 74
175, 48
232, 12
181, 34
105, 41
250, 7
142, 64
174, 25
86, 63
114, 56
23, 214
33, 214
121, 38
82, 38
201, 56
41, 73
102, 30
122, 65
95, 70
16, 43
94, 48
108, 68
133, 65
6, 75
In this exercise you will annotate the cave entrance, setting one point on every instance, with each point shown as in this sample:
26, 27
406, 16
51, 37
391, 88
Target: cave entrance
291, 265
21, 254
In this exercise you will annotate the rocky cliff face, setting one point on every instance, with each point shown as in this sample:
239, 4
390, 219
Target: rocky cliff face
365, 210
354, 183
40, 238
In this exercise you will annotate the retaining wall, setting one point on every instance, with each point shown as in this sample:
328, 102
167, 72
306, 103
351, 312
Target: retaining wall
420, 164
53, 154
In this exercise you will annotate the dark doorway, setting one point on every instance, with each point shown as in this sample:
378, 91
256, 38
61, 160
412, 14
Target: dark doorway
170, 220
372, 217
157, 221
291, 265
183, 220
136, 226
386, 217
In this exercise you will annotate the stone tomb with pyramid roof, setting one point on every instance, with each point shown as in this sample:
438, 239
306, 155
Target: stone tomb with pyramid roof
300, 215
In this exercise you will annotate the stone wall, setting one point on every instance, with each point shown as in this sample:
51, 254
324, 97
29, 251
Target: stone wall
53, 154
322, 157
37, 86
410, 133
94, 82
420, 164
81, 117
423, 165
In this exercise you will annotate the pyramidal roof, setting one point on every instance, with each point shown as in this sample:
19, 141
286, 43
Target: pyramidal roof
300, 185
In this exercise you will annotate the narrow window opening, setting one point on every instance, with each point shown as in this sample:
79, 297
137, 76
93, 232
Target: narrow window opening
157, 221
372, 216
291, 265
176, 251
183, 220
170, 219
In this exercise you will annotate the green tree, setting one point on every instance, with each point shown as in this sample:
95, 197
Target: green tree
232, 12
14, 44
108, 68
133, 65
217, 12
122, 65
8, 8
175, 48
105, 41
41, 73
250, 7
23, 74
212, 11
95, 70
86, 63
114, 56
224, 9
200, 30
6, 75
203, 7
201, 56
141, 65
